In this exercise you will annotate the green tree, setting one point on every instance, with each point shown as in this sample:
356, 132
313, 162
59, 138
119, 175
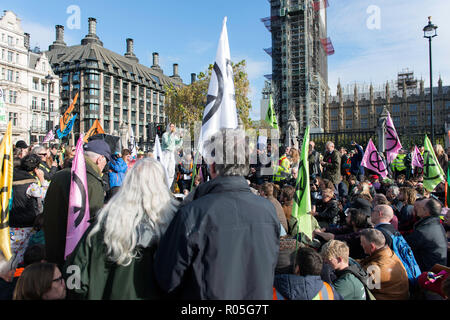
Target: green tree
185, 104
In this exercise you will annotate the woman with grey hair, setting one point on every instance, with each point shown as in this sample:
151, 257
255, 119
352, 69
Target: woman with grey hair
114, 258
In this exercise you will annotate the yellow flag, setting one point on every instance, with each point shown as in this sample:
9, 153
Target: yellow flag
94, 130
64, 120
6, 179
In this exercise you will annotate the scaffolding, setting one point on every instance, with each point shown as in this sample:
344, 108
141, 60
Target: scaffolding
299, 52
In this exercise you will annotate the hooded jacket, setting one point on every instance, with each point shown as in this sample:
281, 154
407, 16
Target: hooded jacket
24, 208
223, 245
118, 168
294, 287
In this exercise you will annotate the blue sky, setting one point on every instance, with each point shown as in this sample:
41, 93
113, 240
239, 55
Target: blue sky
187, 33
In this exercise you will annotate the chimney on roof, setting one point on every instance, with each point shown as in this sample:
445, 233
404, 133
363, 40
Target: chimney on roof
175, 70
193, 78
26, 41
59, 42
92, 35
92, 26
155, 65
130, 50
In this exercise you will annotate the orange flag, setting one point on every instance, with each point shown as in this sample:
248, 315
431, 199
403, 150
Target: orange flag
64, 120
94, 130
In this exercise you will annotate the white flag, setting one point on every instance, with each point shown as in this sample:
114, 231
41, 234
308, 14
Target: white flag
220, 111
49, 137
158, 156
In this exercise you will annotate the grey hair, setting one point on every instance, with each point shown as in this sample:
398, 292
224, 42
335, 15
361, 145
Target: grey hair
39, 149
395, 190
92, 155
329, 143
228, 149
374, 236
144, 202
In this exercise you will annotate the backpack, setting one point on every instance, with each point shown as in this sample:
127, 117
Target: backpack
406, 256
355, 269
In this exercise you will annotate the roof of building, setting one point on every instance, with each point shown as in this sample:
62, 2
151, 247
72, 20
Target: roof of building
108, 61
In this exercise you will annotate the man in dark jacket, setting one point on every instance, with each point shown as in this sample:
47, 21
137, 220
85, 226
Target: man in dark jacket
356, 158
224, 244
331, 164
428, 240
314, 161
306, 283
56, 204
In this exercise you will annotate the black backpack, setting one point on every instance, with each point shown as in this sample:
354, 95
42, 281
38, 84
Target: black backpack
355, 269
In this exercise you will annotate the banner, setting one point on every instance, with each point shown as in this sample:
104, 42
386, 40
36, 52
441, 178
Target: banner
68, 129
6, 180
64, 120
393, 145
78, 215
417, 159
271, 117
432, 171
220, 111
93, 131
373, 161
49, 137
301, 207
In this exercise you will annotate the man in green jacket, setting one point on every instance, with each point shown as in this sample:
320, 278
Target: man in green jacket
336, 254
56, 205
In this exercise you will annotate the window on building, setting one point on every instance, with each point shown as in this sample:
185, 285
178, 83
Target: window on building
17, 76
365, 123
396, 121
34, 103
10, 56
334, 125
379, 109
14, 118
413, 120
447, 106
76, 77
3, 74
349, 113
10, 41
35, 84
348, 124
364, 111
52, 105
10, 75
12, 96
396, 108
43, 104
413, 108
42, 86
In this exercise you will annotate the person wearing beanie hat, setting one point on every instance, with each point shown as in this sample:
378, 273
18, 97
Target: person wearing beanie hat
97, 153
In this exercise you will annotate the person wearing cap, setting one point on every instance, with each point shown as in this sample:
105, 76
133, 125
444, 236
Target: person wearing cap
97, 153
21, 149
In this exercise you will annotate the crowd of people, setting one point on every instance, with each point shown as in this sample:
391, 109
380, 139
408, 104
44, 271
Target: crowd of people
226, 230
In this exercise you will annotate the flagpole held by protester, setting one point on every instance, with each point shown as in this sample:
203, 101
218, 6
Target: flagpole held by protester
301, 208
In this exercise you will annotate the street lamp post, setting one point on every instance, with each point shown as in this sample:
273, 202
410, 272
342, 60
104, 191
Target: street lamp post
430, 31
49, 79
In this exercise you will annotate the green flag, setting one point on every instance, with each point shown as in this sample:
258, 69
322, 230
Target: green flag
432, 171
447, 189
271, 118
302, 198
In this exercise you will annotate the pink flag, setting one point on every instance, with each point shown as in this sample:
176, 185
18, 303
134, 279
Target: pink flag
49, 137
393, 144
373, 161
77, 220
417, 159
